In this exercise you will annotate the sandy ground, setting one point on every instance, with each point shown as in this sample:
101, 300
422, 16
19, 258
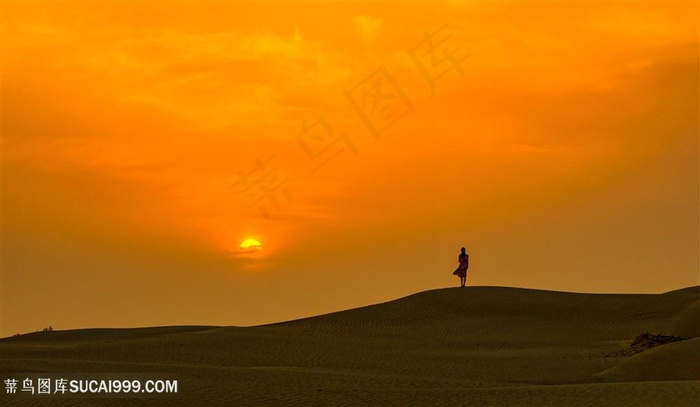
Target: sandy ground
479, 346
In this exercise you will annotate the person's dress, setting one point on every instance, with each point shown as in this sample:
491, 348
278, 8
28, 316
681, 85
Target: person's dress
462, 269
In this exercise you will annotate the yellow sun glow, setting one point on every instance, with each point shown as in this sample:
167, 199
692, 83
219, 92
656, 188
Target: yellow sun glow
251, 243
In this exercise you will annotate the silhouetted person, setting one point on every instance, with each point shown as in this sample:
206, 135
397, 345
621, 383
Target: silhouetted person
461, 271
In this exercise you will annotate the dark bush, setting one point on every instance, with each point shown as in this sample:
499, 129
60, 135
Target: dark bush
646, 341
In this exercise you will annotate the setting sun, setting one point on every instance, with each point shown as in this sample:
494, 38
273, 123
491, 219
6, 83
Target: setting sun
251, 244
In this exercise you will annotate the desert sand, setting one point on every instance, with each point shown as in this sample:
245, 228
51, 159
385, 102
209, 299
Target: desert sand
478, 346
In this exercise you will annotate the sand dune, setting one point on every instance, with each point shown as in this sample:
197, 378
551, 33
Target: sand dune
686, 322
674, 361
480, 346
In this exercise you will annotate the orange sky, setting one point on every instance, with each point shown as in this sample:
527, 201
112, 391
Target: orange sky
559, 144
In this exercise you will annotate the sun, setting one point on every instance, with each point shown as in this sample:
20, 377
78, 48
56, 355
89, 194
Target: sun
251, 244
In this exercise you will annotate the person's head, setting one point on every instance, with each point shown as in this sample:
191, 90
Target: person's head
464, 250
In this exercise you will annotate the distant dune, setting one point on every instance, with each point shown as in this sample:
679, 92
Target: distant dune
685, 291
479, 346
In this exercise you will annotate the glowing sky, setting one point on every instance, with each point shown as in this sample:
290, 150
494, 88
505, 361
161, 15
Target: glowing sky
143, 142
